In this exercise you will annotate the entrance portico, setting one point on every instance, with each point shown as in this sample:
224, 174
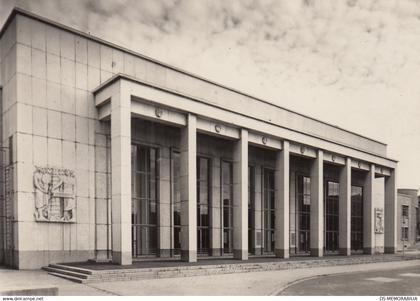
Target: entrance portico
259, 212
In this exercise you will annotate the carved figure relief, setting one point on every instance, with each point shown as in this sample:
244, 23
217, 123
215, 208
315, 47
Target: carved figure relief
54, 195
379, 220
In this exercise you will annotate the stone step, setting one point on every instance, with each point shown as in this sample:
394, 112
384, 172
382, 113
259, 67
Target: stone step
72, 268
66, 272
71, 278
196, 270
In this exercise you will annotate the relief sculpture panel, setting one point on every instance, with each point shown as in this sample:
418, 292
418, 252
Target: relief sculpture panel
54, 195
379, 220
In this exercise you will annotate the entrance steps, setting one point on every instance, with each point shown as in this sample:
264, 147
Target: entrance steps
109, 273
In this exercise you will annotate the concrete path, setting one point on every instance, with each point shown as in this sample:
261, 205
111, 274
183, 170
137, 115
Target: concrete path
14, 280
396, 282
256, 283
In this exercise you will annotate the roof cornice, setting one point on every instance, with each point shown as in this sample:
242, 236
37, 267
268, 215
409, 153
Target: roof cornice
23, 12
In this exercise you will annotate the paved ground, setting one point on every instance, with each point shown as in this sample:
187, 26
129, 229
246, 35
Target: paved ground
13, 279
395, 282
176, 262
257, 283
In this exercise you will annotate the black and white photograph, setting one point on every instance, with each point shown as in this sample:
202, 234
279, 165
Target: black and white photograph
210, 148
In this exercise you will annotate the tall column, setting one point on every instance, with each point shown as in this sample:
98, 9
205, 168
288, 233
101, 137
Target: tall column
188, 181
391, 213
368, 218
121, 176
344, 208
240, 197
317, 206
282, 202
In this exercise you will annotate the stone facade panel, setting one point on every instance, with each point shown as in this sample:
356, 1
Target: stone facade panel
68, 99
39, 64
82, 130
67, 46
53, 40
69, 155
68, 72
53, 96
81, 76
54, 152
94, 58
82, 156
82, 210
38, 36
54, 124
24, 96
81, 50
53, 67
68, 127
40, 151
39, 121
24, 58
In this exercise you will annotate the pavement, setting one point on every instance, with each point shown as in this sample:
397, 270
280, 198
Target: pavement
253, 284
395, 282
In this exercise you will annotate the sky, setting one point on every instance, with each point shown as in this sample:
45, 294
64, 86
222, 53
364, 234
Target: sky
353, 63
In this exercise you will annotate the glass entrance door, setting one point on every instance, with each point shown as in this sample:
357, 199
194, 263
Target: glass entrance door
356, 218
251, 208
227, 199
269, 216
144, 200
176, 201
303, 213
331, 216
203, 198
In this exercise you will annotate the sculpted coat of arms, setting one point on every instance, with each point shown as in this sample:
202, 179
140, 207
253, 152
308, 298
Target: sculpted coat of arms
54, 195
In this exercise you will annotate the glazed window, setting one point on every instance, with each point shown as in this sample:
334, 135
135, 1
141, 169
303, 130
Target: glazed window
227, 199
331, 216
356, 218
269, 215
303, 213
203, 199
144, 203
251, 205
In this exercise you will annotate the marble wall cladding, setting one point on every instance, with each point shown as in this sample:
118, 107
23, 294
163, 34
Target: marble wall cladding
47, 75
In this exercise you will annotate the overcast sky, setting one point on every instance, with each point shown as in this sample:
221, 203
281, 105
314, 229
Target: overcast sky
352, 63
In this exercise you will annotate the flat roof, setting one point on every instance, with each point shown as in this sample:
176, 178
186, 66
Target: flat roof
17, 10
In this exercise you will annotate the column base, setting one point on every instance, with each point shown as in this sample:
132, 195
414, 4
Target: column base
345, 251
216, 252
188, 256
122, 258
240, 254
257, 251
390, 250
282, 253
369, 251
315, 252
164, 253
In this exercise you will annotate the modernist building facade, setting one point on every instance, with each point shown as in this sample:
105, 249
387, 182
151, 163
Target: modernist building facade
110, 155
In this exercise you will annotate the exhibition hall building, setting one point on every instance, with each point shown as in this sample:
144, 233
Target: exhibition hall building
109, 155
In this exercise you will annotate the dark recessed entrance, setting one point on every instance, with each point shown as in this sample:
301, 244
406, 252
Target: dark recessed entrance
356, 218
269, 214
144, 200
331, 216
303, 213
